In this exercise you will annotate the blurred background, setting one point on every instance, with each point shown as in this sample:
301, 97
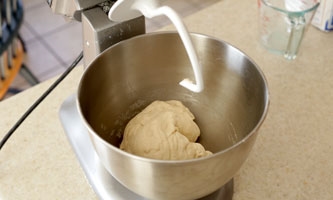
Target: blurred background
53, 43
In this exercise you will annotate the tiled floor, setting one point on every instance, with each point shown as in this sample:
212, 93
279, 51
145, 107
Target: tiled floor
53, 43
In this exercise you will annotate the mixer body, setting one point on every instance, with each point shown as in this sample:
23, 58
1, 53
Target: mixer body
99, 32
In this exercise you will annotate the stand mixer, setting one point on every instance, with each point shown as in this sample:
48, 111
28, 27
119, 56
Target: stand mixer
99, 33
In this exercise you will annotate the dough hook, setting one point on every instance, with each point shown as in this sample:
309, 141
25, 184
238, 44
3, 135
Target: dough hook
124, 10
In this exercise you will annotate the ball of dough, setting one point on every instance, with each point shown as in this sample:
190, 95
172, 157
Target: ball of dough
164, 130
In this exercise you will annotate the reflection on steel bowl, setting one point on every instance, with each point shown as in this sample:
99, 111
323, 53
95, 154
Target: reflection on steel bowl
128, 76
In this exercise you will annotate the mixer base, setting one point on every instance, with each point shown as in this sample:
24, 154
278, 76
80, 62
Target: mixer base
105, 186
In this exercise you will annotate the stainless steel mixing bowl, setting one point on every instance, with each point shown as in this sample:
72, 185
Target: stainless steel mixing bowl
133, 73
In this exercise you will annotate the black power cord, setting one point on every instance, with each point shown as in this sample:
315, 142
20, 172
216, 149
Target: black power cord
40, 99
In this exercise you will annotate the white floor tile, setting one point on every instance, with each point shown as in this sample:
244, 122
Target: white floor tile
67, 42
28, 4
38, 58
42, 20
26, 34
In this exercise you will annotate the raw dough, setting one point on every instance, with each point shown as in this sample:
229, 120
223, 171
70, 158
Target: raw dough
163, 130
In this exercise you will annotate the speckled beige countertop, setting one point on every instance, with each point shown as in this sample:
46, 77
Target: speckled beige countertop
291, 160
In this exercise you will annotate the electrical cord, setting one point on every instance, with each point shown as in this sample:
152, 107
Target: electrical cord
40, 99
